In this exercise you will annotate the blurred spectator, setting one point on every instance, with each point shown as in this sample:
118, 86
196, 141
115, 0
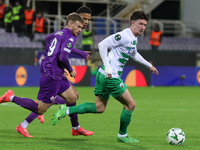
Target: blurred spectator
155, 41
29, 17
87, 41
40, 23
2, 11
8, 18
17, 17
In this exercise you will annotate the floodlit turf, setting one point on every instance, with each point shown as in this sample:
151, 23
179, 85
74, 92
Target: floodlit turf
158, 109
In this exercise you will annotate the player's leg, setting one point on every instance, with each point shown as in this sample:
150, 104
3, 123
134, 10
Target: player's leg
26, 103
22, 127
74, 117
99, 106
125, 119
48, 90
76, 128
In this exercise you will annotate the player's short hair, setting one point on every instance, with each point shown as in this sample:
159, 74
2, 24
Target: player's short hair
84, 9
74, 17
139, 15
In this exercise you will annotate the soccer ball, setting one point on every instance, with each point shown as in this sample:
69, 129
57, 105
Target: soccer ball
175, 136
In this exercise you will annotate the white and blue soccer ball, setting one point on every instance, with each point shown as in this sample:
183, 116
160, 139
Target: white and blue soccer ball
175, 136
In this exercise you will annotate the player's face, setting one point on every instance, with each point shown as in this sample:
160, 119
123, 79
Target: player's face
138, 26
76, 28
86, 17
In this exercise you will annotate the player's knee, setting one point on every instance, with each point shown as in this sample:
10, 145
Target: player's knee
77, 95
132, 106
41, 112
100, 109
72, 100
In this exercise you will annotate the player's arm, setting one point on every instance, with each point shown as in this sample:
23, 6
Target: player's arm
81, 53
138, 58
103, 51
63, 57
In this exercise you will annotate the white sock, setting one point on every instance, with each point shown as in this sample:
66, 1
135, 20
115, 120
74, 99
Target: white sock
24, 124
67, 111
121, 136
11, 98
76, 128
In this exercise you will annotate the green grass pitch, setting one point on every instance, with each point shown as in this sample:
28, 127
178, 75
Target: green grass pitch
158, 109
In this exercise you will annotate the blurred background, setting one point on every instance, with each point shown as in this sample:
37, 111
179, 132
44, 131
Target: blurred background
176, 54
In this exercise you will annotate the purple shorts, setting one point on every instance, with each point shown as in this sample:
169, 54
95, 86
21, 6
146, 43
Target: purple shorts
49, 88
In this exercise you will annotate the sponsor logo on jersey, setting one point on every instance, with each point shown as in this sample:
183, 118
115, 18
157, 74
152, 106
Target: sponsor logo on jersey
117, 37
134, 43
69, 45
130, 50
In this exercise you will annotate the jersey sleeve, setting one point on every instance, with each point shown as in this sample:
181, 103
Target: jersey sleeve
79, 52
65, 50
138, 58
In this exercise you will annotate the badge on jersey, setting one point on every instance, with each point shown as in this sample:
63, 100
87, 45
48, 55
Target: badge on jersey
117, 37
121, 85
69, 45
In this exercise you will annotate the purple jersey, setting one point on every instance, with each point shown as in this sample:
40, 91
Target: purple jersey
58, 44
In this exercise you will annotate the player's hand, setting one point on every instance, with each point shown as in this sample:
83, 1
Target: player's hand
108, 72
65, 74
88, 57
73, 74
154, 70
88, 52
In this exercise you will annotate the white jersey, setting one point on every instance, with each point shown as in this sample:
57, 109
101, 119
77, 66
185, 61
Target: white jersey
122, 45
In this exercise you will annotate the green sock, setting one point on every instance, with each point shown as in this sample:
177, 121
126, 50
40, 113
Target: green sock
125, 119
83, 108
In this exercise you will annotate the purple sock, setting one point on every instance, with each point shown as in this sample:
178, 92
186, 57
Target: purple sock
31, 117
59, 100
26, 103
73, 117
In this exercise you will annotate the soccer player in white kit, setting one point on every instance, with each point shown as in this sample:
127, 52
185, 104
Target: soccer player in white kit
122, 45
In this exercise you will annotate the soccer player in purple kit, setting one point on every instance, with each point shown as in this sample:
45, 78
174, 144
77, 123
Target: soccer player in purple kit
53, 81
85, 13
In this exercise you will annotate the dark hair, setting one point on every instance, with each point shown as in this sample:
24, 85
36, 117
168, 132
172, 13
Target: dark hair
74, 17
84, 9
139, 15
